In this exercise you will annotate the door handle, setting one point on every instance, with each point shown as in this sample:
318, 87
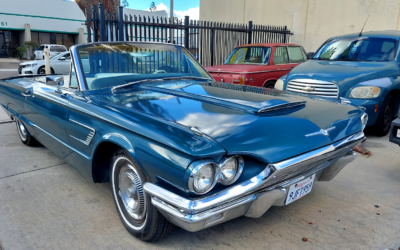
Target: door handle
26, 94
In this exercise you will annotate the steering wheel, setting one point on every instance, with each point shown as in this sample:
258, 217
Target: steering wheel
160, 71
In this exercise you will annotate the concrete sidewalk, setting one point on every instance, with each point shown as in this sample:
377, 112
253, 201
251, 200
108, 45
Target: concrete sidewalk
46, 204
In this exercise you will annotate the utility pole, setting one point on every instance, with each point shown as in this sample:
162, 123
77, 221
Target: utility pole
171, 16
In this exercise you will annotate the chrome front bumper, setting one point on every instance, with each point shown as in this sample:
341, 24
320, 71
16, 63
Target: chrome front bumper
255, 196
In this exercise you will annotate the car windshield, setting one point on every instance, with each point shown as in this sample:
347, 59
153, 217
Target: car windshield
112, 64
56, 57
249, 55
358, 49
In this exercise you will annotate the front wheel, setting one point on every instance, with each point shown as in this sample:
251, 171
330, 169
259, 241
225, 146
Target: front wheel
134, 207
385, 117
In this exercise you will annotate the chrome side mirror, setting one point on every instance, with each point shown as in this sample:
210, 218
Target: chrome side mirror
57, 81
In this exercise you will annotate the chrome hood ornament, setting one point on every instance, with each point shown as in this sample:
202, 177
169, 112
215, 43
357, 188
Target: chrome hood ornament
324, 132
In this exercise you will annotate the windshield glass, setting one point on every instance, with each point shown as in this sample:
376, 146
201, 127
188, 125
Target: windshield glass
358, 49
249, 55
56, 57
112, 64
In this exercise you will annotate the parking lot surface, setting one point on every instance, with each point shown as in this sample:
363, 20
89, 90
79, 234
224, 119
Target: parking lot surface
46, 204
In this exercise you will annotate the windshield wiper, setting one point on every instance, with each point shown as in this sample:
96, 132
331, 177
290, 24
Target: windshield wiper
348, 59
324, 59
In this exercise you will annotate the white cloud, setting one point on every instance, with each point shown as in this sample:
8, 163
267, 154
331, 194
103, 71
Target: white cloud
193, 13
162, 6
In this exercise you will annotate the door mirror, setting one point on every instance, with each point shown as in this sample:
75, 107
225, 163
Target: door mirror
310, 55
55, 80
62, 58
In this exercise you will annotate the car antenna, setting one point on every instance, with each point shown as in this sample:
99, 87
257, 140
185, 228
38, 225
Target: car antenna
363, 27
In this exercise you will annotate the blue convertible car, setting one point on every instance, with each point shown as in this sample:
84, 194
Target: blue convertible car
363, 68
177, 147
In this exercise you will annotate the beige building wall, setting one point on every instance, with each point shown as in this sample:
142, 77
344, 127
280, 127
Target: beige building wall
311, 21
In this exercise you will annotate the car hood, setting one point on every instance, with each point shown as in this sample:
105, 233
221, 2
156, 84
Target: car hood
31, 62
227, 114
237, 68
343, 73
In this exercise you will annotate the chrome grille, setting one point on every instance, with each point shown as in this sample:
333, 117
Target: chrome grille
313, 87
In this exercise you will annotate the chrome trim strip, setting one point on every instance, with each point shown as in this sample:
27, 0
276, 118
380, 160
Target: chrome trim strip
90, 136
245, 187
246, 73
78, 69
282, 106
313, 87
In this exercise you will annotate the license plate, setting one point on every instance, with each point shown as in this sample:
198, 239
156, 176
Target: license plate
300, 189
398, 133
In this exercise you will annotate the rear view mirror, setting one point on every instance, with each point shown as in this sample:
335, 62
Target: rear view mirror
55, 80
310, 55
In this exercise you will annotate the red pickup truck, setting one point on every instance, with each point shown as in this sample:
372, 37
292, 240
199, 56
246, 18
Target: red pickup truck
259, 64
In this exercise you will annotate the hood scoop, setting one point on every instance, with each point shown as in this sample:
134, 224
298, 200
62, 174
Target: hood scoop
257, 108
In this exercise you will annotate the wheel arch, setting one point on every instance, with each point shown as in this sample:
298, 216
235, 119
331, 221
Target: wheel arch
396, 94
104, 153
51, 69
270, 80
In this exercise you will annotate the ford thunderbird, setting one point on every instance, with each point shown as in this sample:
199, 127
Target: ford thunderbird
177, 147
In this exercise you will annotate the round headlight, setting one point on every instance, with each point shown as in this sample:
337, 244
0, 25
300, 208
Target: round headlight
230, 169
365, 92
364, 120
279, 84
203, 178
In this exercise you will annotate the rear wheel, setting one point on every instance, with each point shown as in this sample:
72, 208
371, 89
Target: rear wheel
269, 84
134, 207
24, 135
385, 117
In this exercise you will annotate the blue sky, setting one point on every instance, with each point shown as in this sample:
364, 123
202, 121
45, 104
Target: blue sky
181, 7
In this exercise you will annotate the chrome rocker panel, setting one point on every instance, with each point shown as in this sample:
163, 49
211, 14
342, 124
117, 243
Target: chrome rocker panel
254, 197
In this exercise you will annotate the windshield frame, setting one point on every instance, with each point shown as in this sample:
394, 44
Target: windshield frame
79, 72
354, 39
240, 47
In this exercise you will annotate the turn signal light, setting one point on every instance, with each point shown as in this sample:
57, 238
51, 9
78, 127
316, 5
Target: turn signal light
376, 107
239, 80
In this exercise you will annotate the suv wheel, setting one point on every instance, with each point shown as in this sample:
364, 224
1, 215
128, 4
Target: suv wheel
385, 117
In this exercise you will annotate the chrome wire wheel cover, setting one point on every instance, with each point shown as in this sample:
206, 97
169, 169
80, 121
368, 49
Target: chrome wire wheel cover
131, 193
22, 130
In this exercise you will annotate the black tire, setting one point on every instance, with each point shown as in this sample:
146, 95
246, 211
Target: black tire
385, 117
24, 135
143, 221
42, 70
269, 84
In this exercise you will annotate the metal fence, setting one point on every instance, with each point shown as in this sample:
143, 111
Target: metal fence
210, 42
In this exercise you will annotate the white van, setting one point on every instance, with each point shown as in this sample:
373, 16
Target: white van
55, 49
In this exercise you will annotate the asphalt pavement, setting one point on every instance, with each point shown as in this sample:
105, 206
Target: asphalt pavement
47, 204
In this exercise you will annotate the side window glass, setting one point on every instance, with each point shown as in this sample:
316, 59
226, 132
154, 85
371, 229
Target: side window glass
73, 82
281, 56
295, 54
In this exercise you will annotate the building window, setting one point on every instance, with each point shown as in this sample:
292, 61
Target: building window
53, 38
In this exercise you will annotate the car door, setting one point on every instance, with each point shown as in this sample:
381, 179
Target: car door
62, 65
39, 52
296, 56
47, 110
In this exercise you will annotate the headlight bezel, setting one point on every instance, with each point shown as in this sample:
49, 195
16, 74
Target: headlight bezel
240, 166
196, 170
370, 94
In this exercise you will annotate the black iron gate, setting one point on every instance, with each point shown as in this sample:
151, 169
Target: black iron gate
210, 42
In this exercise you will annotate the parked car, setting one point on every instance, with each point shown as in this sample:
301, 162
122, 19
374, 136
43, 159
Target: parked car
59, 64
394, 135
258, 64
55, 49
361, 68
178, 147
